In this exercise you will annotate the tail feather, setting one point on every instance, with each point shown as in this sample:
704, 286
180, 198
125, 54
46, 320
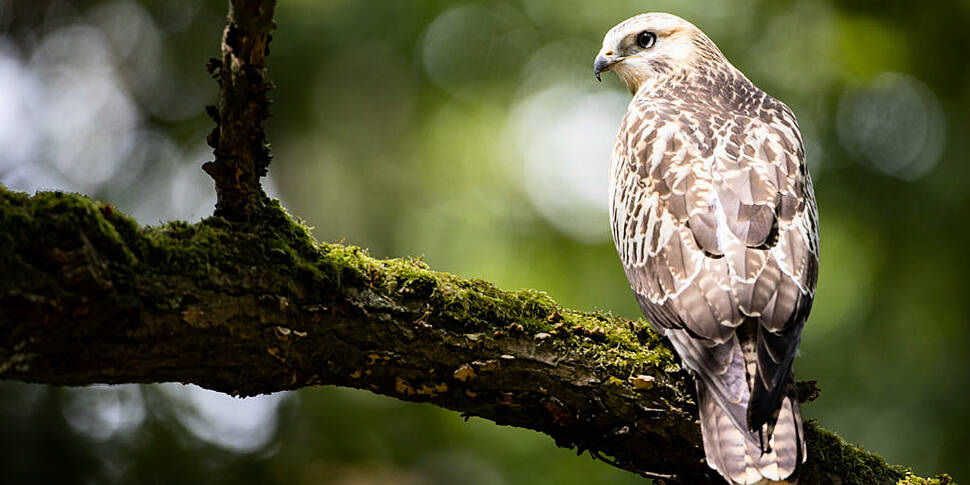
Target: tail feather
787, 440
737, 455
771, 354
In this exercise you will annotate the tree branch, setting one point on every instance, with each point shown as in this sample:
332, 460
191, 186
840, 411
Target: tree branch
86, 296
241, 150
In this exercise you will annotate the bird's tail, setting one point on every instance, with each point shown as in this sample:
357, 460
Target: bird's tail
737, 455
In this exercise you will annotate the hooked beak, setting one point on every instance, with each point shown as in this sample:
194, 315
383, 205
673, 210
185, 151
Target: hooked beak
603, 63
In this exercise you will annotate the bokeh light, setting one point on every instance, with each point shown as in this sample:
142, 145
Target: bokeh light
895, 125
237, 424
101, 412
565, 136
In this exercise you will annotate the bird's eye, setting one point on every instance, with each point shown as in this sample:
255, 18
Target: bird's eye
646, 39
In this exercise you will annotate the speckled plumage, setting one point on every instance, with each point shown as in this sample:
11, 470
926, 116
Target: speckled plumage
714, 219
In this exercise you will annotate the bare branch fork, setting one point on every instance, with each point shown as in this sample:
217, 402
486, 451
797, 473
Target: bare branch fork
246, 302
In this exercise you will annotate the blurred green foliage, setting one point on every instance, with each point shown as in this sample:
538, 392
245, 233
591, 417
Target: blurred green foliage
473, 134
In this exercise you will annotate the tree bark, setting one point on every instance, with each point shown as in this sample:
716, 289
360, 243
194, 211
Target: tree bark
246, 302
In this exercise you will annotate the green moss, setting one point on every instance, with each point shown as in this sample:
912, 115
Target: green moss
943, 479
70, 217
856, 464
194, 249
617, 345
829, 454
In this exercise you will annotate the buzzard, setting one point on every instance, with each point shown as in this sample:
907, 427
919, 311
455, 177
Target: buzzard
714, 219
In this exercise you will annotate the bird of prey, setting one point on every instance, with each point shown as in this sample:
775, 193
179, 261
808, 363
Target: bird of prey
714, 218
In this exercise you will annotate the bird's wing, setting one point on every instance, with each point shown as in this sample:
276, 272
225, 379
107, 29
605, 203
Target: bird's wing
765, 195
655, 180
766, 203
716, 227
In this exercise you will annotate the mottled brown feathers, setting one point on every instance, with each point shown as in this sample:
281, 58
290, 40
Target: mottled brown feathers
714, 219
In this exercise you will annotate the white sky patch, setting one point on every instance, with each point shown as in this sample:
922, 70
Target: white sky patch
237, 424
565, 137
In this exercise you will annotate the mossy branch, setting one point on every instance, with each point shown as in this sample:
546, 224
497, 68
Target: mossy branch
88, 296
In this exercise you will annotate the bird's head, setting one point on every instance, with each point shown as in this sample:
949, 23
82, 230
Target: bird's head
649, 47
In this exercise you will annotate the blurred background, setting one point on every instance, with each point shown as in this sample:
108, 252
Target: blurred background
473, 134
